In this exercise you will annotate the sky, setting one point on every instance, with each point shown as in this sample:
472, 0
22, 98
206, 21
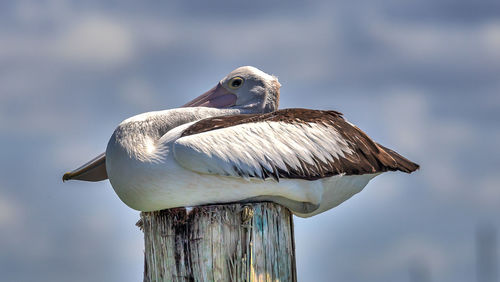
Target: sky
420, 77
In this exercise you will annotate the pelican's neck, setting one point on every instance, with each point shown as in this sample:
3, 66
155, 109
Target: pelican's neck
139, 135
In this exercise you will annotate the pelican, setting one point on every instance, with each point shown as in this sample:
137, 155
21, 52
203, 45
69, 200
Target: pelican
232, 144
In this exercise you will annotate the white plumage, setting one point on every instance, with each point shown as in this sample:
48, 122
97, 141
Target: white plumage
243, 150
230, 144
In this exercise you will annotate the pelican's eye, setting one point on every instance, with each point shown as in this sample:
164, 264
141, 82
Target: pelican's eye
235, 82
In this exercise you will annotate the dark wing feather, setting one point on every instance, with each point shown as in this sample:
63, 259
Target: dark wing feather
364, 156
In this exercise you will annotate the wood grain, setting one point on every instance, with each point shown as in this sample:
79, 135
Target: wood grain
232, 242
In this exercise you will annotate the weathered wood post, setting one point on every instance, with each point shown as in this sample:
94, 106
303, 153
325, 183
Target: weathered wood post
232, 242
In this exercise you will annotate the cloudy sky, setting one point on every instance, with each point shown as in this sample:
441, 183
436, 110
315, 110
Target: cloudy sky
421, 77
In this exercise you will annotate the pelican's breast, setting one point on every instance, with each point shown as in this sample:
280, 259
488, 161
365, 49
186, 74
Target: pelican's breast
139, 158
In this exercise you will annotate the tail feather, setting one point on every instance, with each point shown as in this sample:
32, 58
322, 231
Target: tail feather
402, 163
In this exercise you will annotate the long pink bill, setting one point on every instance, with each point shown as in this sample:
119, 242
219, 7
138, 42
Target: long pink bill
217, 97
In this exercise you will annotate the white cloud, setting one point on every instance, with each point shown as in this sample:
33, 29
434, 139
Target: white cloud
420, 40
406, 116
97, 40
432, 43
11, 212
490, 39
86, 40
489, 192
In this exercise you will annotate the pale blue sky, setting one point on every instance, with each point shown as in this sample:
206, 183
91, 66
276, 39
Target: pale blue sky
421, 77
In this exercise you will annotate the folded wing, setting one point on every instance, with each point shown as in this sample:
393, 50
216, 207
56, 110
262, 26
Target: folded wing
291, 143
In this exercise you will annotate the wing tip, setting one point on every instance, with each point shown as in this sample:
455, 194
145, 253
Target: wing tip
402, 164
66, 177
408, 166
94, 170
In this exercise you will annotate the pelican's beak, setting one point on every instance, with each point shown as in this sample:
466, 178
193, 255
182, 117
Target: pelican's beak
217, 97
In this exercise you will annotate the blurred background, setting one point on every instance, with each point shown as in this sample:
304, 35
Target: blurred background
421, 77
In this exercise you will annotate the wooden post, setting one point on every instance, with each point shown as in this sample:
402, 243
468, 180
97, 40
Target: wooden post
232, 242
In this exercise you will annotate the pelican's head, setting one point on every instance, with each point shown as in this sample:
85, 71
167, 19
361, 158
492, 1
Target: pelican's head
246, 88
